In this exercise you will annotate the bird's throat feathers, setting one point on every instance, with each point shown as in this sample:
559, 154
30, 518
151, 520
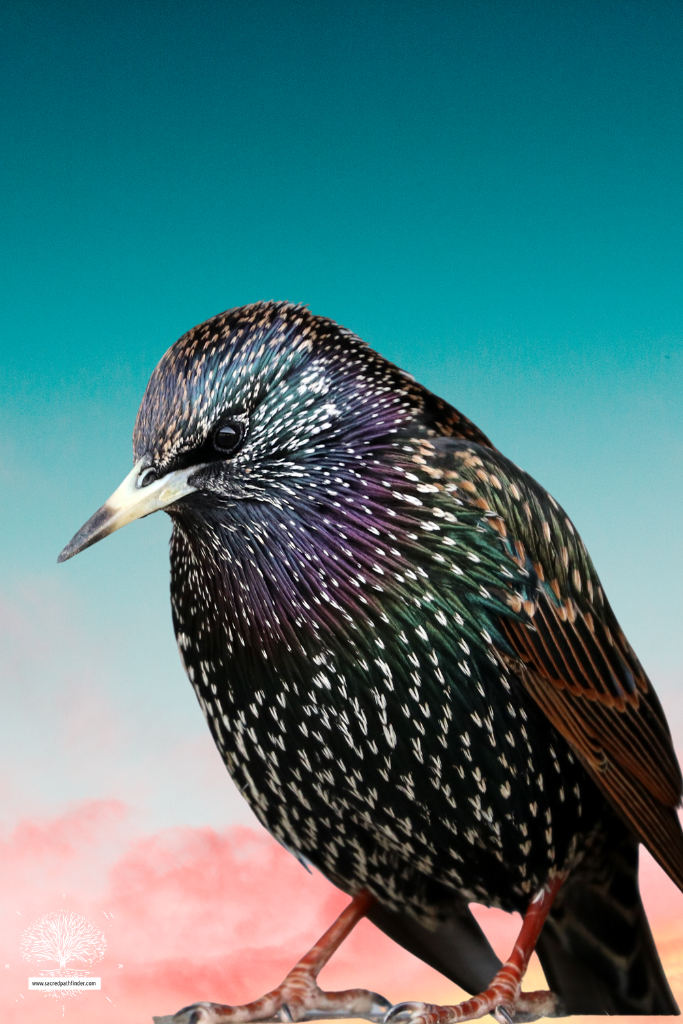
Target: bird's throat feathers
367, 565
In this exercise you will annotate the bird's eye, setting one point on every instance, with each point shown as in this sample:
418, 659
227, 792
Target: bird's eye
228, 437
147, 477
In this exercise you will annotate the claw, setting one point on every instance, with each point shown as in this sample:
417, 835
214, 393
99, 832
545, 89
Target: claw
380, 1005
502, 1015
405, 1011
195, 1014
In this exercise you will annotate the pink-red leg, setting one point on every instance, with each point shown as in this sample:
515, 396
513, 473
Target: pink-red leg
503, 998
298, 997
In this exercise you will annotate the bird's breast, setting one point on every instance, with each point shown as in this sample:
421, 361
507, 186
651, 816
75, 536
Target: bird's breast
392, 761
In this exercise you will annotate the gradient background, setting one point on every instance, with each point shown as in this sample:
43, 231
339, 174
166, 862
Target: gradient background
490, 193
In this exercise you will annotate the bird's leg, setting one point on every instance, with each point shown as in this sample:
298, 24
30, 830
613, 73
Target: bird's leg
298, 997
503, 998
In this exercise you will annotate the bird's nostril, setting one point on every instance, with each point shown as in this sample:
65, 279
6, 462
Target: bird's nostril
147, 477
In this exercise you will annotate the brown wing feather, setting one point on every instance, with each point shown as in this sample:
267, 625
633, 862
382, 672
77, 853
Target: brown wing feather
575, 660
630, 730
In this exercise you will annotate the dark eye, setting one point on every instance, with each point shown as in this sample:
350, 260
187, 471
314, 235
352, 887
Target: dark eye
228, 437
147, 477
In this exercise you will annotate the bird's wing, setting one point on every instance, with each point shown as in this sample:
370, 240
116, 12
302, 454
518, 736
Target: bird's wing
566, 645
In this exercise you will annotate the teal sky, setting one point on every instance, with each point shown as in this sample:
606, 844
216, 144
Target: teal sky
489, 192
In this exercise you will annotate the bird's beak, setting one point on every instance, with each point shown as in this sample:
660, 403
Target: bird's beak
129, 502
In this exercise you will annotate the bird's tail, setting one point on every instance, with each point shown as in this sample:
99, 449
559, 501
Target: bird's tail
596, 947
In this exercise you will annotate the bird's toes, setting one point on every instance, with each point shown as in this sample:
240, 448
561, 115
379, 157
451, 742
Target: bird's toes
205, 1013
471, 1009
315, 1005
188, 1015
530, 1006
351, 1003
414, 1013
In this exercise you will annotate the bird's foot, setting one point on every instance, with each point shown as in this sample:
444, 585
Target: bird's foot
298, 998
501, 1001
504, 997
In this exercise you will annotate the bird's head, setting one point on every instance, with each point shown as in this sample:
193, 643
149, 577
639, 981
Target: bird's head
255, 401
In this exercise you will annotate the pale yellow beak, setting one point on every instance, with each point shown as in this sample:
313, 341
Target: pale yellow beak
128, 502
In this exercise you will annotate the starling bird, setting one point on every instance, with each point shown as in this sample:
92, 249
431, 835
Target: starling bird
407, 661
